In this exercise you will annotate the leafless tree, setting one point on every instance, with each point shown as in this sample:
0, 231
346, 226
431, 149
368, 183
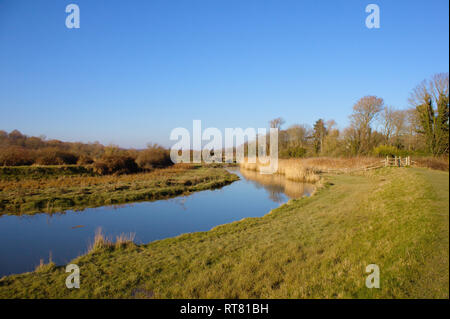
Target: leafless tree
276, 123
365, 112
298, 135
387, 121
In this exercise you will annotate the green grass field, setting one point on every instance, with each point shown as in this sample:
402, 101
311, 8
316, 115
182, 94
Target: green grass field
29, 190
316, 247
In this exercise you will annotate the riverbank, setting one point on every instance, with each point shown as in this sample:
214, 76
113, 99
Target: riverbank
30, 190
315, 247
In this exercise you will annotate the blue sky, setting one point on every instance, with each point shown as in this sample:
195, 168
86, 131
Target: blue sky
137, 69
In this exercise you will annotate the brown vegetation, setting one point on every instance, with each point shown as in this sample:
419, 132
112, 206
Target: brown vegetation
155, 156
439, 163
17, 149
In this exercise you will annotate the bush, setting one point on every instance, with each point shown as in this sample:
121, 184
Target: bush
55, 157
154, 156
294, 152
115, 164
15, 156
85, 160
386, 150
439, 163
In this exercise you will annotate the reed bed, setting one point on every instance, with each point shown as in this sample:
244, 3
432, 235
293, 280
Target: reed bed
292, 169
309, 169
327, 164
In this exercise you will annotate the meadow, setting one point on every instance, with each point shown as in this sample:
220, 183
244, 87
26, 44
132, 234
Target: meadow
315, 247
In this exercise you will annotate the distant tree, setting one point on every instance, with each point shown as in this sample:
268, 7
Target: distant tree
298, 135
276, 123
153, 157
431, 102
387, 120
399, 121
333, 144
319, 134
365, 112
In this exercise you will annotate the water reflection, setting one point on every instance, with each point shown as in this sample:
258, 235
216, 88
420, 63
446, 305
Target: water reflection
277, 185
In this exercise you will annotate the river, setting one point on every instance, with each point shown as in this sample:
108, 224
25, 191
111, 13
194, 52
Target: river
25, 240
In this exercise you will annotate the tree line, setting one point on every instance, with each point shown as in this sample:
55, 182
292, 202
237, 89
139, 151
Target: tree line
378, 129
375, 129
17, 149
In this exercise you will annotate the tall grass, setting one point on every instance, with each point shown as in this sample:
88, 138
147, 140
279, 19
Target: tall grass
101, 241
292, 169
308, 170
341, 164
439, 163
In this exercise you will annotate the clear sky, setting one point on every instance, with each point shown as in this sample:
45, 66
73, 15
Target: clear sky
135, 70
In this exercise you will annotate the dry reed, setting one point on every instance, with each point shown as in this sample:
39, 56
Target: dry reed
102, 242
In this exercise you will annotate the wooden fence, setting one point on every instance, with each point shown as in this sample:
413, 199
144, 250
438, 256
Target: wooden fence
397, 161
388, 161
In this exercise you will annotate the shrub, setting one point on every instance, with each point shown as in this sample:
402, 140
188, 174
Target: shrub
294, 152
386, 150
115, 164
15, 156
154, 156
439, 163
55, 157
85, 160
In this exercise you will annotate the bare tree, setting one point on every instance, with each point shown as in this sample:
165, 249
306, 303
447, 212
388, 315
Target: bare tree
330, 124
365, 112
387, 121
399, 121
276, 123
298, 135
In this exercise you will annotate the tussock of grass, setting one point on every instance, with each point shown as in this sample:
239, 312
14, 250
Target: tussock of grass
315, 247
102, 242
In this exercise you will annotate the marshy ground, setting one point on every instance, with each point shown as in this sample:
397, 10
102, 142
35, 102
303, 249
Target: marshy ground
315, 247
29, 190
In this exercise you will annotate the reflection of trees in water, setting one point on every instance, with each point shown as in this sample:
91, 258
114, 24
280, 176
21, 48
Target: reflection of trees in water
180, 201
277, 185
277, 197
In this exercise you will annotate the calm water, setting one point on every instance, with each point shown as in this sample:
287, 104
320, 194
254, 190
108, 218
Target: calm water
27, 239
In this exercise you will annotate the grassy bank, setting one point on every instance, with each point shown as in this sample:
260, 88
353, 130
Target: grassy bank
313, 247
28, 190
